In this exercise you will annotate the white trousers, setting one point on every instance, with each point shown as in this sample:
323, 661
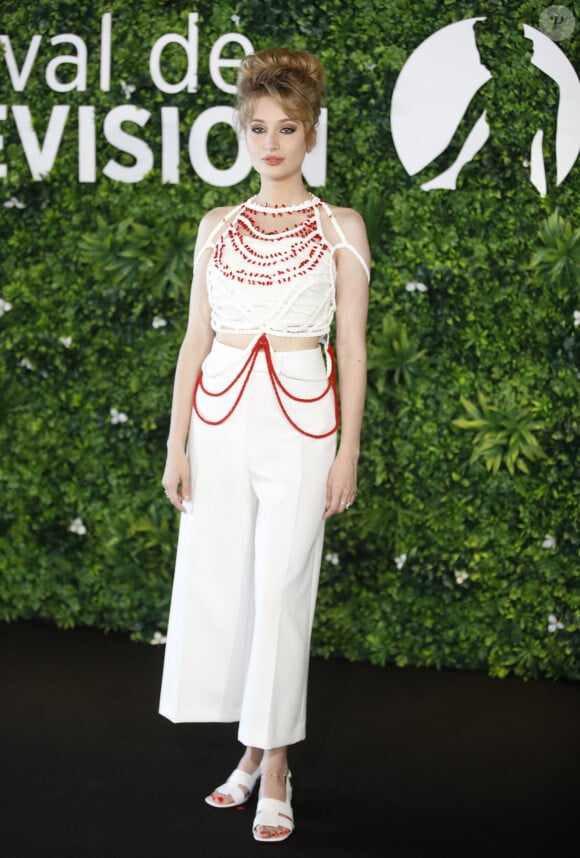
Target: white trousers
249, 553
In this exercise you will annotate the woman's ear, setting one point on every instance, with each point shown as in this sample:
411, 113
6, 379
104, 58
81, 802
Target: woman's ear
311, 140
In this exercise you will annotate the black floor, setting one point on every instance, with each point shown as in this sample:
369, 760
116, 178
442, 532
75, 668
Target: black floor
398, 762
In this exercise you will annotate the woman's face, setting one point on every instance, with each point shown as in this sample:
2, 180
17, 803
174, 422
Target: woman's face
277, 144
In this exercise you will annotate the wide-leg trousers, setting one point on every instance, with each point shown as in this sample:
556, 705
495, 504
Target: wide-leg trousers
249, 552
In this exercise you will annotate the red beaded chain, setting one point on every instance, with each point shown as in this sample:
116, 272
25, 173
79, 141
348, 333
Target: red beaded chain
277, 386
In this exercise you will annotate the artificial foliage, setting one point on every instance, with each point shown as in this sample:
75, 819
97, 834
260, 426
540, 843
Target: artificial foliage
463, 546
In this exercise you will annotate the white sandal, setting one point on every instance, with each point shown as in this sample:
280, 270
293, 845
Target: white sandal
274, 813
234, 788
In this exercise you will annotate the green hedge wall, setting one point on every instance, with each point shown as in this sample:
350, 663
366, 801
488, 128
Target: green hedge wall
463, 548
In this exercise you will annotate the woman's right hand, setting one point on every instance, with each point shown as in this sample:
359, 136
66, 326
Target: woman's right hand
176, 479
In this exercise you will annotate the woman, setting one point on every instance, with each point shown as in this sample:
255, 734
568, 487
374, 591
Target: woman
262, 473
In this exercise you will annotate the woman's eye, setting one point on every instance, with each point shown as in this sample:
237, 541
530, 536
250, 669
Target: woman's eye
288, 130
257, 129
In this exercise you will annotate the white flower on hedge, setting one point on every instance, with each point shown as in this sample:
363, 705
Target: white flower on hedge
158, 639
554, 623
158, 322
400, 561
332, 558
549, 541
13, 203
461, 576
65, 341
128, 89
5, 306
415, 287
78, 526
25, 363
235, 19
576, 318
118, 416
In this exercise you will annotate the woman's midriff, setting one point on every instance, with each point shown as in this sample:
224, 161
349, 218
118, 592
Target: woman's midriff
279, 344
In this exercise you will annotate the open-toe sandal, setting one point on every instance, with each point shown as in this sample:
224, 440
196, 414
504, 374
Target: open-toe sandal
238, 787
273, 813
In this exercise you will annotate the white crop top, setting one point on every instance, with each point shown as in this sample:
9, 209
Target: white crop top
277, 283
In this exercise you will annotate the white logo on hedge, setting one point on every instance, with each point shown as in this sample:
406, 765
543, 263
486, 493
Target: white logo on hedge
557, 22
41, 154
436, 86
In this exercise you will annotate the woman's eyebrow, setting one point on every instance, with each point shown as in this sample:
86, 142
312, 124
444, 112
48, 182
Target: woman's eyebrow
279, 121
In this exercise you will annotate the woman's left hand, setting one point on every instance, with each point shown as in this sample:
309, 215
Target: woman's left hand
341, 485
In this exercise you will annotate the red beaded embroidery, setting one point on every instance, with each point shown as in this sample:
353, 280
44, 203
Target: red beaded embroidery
272, 262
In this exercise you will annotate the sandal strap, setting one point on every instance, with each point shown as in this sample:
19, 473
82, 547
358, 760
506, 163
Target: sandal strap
273, 812
235, 782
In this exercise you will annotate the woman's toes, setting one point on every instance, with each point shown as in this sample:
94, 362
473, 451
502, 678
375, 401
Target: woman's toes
222, 799
273, 832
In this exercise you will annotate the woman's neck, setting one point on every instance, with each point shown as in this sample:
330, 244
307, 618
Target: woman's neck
281, 193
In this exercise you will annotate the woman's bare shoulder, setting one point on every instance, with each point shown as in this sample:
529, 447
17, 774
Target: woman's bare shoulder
342, 211
348, 219
213, 217
352, 226
210, 222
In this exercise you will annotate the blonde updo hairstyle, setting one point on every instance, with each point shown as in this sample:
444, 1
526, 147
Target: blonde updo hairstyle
295, 79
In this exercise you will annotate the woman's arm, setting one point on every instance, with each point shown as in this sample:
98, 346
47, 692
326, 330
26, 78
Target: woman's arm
351, 318
195, 346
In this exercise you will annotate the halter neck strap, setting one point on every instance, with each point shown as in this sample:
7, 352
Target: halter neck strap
310, 203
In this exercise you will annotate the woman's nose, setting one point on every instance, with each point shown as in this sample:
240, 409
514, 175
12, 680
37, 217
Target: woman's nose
270, 142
